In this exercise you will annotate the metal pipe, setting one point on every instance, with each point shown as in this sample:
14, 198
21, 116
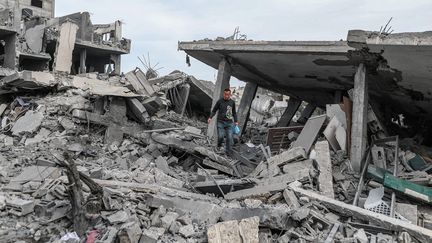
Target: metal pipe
395, 169
366, 158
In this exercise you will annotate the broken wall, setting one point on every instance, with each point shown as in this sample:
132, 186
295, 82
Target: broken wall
41, 8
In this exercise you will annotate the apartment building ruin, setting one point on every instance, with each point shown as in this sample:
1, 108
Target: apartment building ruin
33, 39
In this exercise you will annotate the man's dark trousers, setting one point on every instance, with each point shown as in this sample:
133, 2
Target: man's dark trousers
225, 129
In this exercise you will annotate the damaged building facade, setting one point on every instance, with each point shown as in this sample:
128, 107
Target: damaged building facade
329, 149
33, 40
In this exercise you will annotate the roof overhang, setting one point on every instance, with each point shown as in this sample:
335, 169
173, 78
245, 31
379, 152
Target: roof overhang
314, 70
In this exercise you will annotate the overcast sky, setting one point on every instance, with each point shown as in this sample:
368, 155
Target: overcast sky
155, 27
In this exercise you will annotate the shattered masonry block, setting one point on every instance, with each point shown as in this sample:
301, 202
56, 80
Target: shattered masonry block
129, 232
248, 229
44, 208
227, 232
20, 207
151, 235
118, 217
30, 123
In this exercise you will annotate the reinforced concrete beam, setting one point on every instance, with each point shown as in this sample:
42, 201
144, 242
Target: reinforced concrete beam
83, 60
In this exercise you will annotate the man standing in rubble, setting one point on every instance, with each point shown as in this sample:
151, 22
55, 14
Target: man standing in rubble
226, 114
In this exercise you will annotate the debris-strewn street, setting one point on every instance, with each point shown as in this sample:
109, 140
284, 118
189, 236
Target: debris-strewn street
89, 153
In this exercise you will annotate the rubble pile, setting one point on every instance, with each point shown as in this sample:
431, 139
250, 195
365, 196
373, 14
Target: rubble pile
89, 154
141, 176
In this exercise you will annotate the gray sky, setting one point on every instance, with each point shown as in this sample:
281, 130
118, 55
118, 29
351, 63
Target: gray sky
155, 26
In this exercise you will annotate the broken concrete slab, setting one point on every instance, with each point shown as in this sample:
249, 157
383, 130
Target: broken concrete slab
162, 164
100, 87
3, 108
40, 137
34, 37
169, 218
8, 141
256, 191
29, 80
154, 105
129, 232
299, 169
325, 178
193, 130
310, 132
187, 231
138, 110
136, 84
151, 235
165, 180
280, 159
270, 216
224, 232
408, 211
335, 110
291, 199
226, 186
118, 217
115, 119
29, 123
330, 133
33, 174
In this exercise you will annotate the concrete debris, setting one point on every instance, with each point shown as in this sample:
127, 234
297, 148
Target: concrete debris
29, 123
89, 154
233, 231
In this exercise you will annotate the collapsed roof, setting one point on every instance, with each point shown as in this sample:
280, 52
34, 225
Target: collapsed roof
313, 71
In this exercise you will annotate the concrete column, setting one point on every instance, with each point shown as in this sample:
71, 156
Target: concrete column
53, 6
359, 120
338, 97
83, 58
185, 92
289, 113
245, 105
222, 82
118, 31
306, 113
11, 58
117, 63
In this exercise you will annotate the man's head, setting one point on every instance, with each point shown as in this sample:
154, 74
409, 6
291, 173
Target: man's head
227, 94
